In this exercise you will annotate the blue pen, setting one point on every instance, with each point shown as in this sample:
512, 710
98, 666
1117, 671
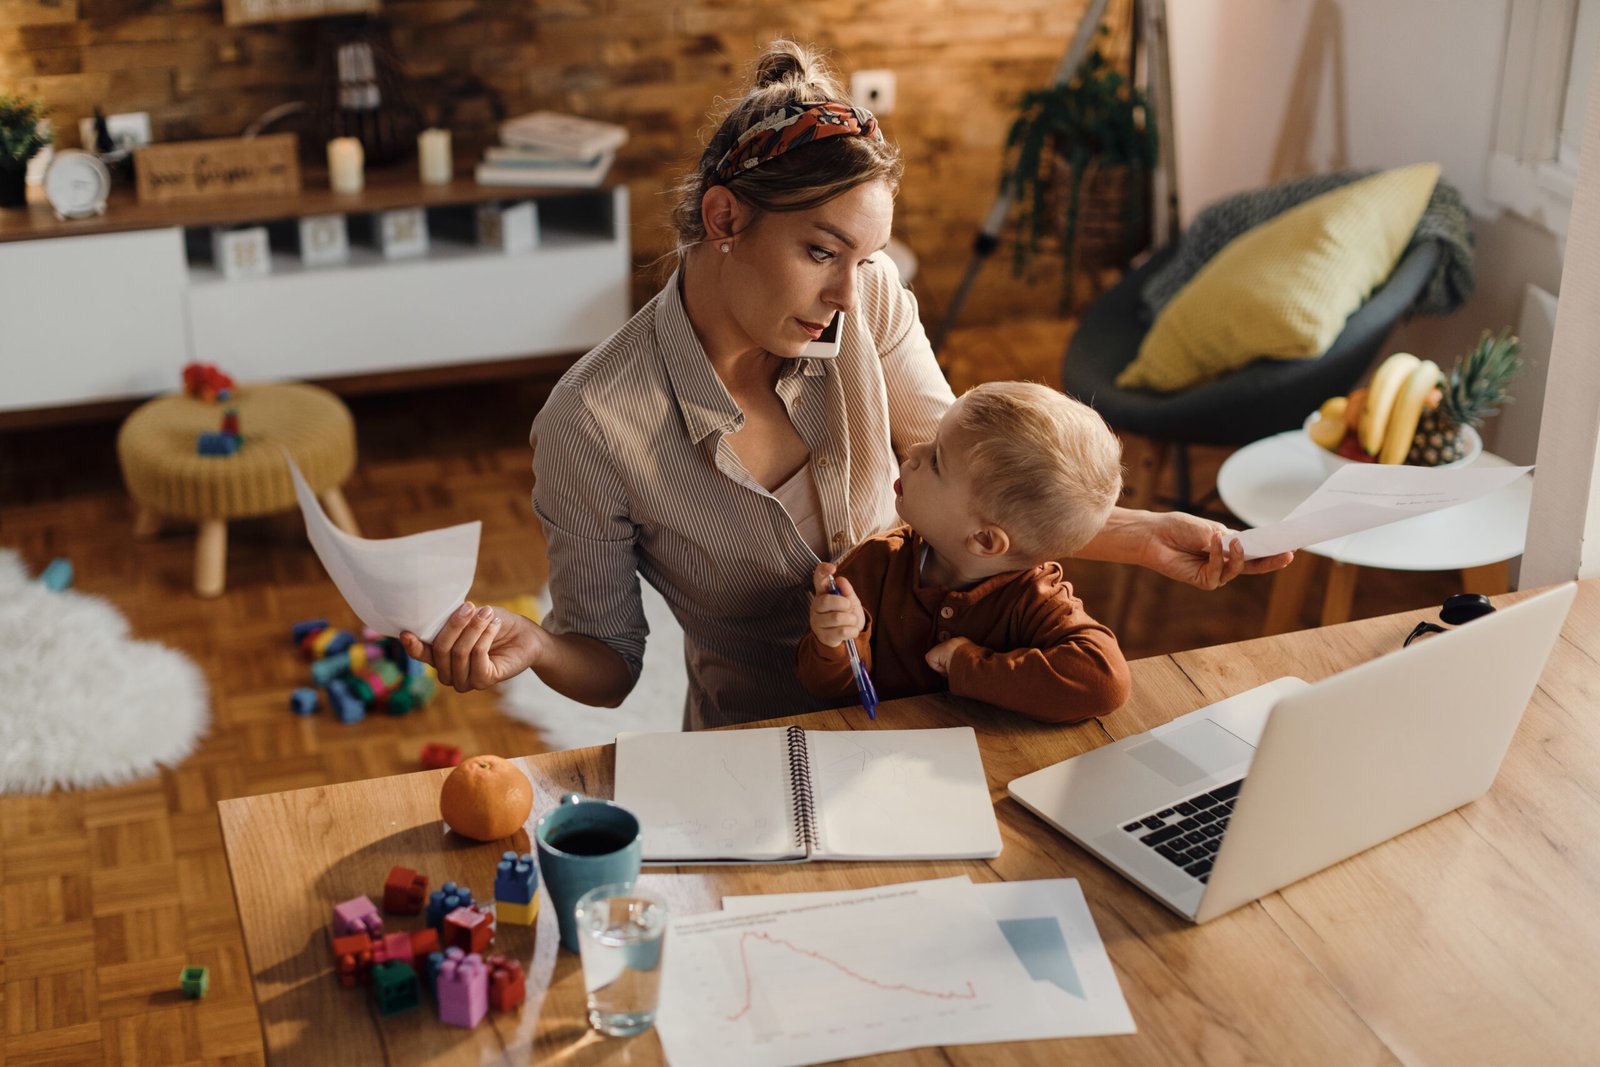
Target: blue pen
869, 695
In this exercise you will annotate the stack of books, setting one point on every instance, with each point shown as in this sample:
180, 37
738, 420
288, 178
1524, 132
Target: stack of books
550, 149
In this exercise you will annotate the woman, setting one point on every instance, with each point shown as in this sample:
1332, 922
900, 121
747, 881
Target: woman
701, 449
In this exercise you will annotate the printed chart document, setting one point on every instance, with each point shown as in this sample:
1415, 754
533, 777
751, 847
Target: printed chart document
892, 969
398, 583
1048, 926
1362, 496
785, 794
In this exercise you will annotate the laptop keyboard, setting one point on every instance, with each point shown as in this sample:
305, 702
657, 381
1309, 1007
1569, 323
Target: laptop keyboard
1189, 833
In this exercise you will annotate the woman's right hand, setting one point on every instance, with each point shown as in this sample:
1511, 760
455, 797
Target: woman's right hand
479, 647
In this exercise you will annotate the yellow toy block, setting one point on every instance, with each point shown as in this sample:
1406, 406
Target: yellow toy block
516, 914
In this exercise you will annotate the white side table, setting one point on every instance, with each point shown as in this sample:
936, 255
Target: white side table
1264, 481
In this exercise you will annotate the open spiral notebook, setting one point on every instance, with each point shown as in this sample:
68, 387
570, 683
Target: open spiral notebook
783, 794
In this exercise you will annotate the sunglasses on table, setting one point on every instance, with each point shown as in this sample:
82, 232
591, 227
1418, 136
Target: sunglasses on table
1459, 609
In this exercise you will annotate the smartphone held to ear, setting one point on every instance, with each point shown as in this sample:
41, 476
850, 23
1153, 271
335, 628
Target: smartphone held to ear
826, 346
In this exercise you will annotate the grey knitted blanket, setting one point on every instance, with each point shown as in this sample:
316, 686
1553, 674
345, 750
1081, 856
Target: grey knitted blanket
1445, 220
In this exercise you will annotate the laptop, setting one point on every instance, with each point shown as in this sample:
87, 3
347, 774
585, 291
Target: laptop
1226, 804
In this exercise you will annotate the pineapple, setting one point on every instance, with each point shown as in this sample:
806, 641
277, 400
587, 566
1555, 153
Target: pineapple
1474, 391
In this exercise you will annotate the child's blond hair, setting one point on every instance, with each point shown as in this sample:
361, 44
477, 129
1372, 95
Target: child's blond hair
1044, 467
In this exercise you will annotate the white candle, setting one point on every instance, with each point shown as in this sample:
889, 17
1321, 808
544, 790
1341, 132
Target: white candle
433, 157
344, 165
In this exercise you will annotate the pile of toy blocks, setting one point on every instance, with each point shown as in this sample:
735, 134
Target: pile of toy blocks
359, 673
447, 956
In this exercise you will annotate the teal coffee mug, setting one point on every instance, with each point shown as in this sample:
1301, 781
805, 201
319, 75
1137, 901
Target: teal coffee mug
584, 842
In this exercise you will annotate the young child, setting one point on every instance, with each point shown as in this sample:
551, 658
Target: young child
968, 596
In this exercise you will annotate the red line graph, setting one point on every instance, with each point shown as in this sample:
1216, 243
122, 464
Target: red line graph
898, 987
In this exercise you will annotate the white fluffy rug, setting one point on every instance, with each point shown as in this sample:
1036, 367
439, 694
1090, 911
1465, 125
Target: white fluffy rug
81, 703
656, 702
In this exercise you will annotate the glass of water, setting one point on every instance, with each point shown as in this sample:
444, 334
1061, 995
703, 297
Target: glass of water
621, 930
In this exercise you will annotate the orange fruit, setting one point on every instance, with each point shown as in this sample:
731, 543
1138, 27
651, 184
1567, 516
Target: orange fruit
486, 798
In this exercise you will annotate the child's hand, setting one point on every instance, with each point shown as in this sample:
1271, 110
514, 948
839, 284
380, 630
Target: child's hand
835, 617
938, 656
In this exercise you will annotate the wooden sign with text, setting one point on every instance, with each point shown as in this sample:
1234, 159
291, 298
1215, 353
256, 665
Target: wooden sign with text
197, 170
243, 12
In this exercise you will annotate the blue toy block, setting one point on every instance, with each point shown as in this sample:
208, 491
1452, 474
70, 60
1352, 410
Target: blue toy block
57, 575
217, 444
329, 667
341, 641
444, 900
301, 629
517, 879
345, 706
303, 701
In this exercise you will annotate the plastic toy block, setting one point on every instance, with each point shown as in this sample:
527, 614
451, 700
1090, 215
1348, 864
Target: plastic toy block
415, 668
230, 422
328, 668
436, 755
395, 946
369, 634
436, 961
395, 988
463, 989
344, 703
357, 656
375, 682
57, 574
508, 986
393, 677
303, 701
342, 639
400, 702
306, 628
424, 943
216, 444
357, 915
516, 914
352, 956
516, 879
359, 689
444, 900
405, 892
468, 929
317, 647
194, 981
422, 687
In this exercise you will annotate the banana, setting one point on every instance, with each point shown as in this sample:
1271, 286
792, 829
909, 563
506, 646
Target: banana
1407, 410
1328, 429
1386, 384
1355, 404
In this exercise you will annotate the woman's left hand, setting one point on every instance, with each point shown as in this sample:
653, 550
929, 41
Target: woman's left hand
1203, 553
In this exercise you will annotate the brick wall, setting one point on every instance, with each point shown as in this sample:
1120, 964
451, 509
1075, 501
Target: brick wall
655, 66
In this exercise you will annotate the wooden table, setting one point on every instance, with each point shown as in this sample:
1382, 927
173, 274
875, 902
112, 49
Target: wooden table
1472, 939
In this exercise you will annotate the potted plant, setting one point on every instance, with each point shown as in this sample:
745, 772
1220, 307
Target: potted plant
20, 138
1077, 161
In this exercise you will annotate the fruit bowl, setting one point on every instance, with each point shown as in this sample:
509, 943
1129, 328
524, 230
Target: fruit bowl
1332, 461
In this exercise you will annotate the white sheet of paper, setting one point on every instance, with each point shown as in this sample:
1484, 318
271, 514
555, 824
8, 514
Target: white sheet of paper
397, 583
1363, 496
892, 969
1048, 925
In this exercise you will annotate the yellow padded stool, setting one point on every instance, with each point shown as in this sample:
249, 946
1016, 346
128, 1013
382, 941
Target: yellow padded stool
168, 479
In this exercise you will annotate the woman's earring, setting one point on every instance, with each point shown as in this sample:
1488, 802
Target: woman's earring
726, 246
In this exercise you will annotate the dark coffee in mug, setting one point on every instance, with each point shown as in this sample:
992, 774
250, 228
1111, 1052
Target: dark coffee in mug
588, 842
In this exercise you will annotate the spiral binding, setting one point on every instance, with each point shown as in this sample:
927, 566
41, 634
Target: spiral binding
805, 809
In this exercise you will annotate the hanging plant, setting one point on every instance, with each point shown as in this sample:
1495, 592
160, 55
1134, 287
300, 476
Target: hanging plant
1092, 122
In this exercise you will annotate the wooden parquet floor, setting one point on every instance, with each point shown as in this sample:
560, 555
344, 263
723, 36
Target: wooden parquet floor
106, 894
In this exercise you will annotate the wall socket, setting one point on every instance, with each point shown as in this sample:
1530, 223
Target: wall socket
873, 90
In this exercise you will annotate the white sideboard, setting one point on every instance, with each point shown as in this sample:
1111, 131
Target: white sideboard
113, 315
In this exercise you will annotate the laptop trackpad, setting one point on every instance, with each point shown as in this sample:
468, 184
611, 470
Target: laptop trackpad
1194, 752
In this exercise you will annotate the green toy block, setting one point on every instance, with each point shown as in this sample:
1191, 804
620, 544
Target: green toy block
194, 981
395, 987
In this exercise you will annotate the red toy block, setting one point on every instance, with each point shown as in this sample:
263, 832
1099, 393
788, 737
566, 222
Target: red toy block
405, 892
508, 986
423, 943
437, 755
352, 955
393, 947
468, 929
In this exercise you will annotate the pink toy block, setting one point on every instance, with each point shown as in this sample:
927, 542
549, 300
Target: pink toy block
357, 915
468, 929
463, 991
393, 947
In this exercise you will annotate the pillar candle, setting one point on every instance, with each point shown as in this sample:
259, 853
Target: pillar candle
344, 165
433, 157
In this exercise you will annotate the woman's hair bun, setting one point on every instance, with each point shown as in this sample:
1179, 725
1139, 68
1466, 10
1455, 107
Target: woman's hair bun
783, 61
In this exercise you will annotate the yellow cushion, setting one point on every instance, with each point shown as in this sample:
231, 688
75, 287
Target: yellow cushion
1284, 289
